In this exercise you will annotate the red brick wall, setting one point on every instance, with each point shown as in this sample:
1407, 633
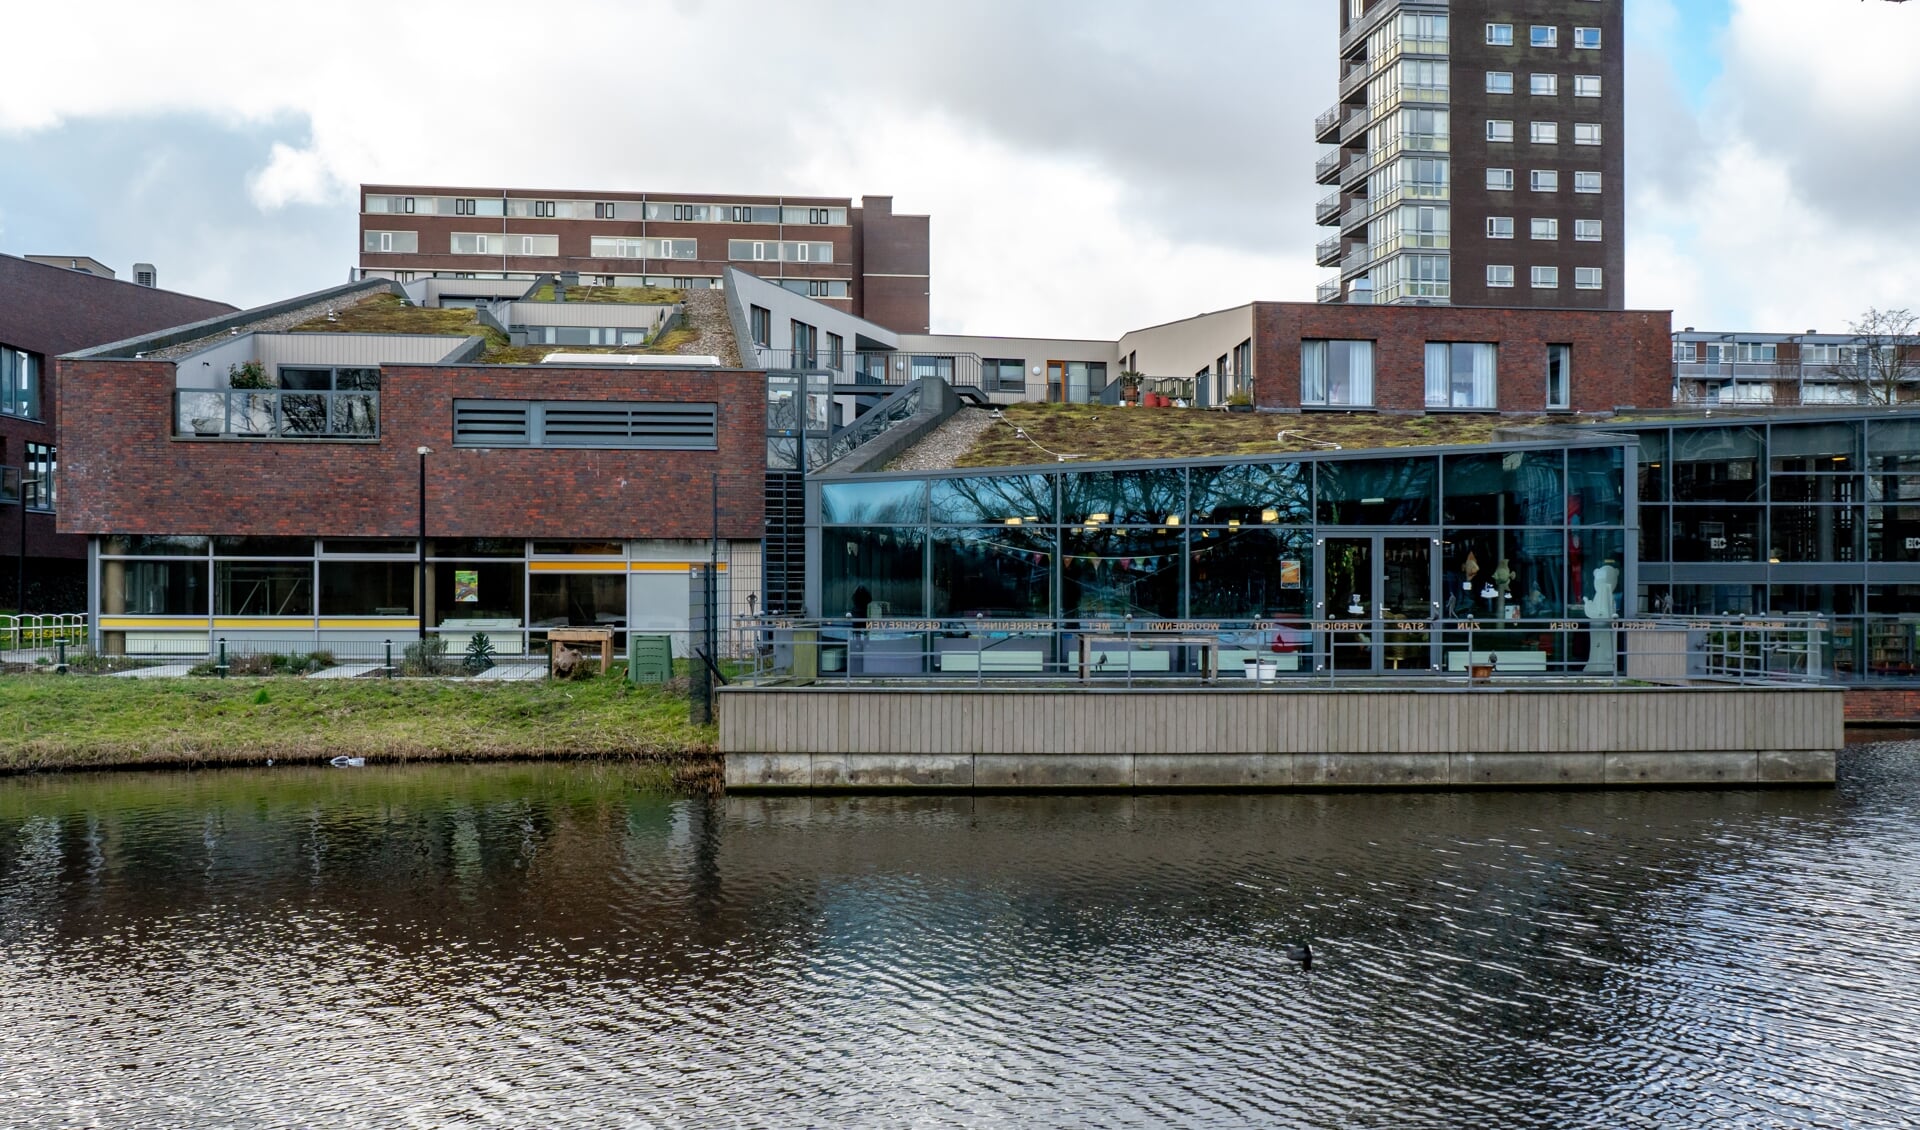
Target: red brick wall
1883, 704
122, 470
1620, 357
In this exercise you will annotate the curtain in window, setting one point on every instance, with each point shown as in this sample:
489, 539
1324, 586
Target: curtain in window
1438, 381
1359, 372
1483, 376
1313, 372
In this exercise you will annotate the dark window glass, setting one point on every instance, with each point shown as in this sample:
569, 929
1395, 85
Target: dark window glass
580, 548
1251, 573
366, 588
556, 600
1113, 572
498, 592
1252, 494
1501, 575
1596, 486
872, 571
1712, 600
263, 547
259, 588
1717, 533
369, 545
1514, 488
1376, 492
1654, 532
1815, 533
1893, 533
993, 499
1653, 466
896, 503
1716, 464
1123, 497
478, 547
1588, 552
1825, 600
155, 545
994, 573
154, 588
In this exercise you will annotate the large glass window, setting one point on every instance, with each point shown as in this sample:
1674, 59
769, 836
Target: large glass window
1716, 464
1249, 572
263, 588
1124, 497
872, 571
481, 590
479, 547
1336, 373
154, 545
37, 486
263, 547
1498, 575
1719, 533
880, 503
19, 383
1595, 481
1559, 376
367, 588
1516, 488
1252, 494
1376, 492
155, 588
1461, 375
992, 499
588, 600
1120, 571
996, 573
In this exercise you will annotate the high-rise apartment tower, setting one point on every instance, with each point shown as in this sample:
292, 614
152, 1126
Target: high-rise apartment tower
1478, 154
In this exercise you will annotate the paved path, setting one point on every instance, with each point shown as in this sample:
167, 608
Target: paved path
513, 671
163, 671
345, 671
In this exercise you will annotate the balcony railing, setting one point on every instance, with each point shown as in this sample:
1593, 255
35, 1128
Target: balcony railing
1325, 123
1354, 217
1327, 252
1354, 170
1354, 126
961, 370
1328, 291
1326, 208
1359, 261
1351, 77
1325, 166
276, 413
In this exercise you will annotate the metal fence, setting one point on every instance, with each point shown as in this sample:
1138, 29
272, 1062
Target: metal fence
1276, 654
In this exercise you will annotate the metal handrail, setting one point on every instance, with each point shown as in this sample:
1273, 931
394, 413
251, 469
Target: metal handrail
877, 367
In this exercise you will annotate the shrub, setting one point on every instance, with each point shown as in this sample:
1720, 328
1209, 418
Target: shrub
425, 657
479, 653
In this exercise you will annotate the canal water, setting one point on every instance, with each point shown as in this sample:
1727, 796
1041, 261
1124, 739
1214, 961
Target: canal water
542, 945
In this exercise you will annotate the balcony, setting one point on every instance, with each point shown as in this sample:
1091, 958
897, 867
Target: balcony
1325, 167
1356, 263
1354, 170
1328, 291
1355, 218
1325, 124
1352, 78
1327, 251
1354, 125
879, 367
1327, 209
221, 413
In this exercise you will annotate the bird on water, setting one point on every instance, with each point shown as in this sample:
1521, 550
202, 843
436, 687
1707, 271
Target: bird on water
1301, 952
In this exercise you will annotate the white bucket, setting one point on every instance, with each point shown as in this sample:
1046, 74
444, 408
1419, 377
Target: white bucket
1262, 670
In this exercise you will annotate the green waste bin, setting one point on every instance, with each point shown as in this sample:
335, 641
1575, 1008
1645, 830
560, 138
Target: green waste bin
649, 658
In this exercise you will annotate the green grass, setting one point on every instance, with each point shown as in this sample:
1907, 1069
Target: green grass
628, 295
1098, 432
51, 722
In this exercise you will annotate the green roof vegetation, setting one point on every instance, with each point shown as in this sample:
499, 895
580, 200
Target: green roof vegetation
391, 314
1093, 433
634, 295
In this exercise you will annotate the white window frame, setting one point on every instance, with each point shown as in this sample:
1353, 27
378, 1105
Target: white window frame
1586, 133
1586, 86
1545, 278
1565, 400
1543, 228
1499, 276
1500, 35
1588, 278
1543, 85
1544, 180
1499, 129
1499, 227
1543, 133
1551, 39
1500, 180
1499, 82
1587, 231
1586, 39
1589, 177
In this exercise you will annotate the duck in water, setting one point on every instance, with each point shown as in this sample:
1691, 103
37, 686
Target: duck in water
1302, 952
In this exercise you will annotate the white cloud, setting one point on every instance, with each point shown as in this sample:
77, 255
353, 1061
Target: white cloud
295, 176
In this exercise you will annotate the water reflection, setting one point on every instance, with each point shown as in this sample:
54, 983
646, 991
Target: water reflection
539, 944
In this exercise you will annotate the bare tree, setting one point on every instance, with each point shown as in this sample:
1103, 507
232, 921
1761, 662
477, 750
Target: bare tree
1882, 364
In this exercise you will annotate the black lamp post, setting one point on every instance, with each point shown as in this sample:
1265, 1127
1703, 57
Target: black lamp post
20, 576
420, 579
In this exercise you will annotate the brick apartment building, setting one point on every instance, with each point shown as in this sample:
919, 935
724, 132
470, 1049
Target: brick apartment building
864, 260
1479, 147
47, 310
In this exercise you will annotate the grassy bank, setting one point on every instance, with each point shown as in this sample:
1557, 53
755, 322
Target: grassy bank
49, 722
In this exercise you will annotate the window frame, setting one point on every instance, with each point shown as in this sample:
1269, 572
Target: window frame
1582, 34
1492, 233
1499, 35
1454, 377
1581, 81
1591, 128
1551, 227
1494, 87
1565, 353
1598, 229
1543, 133
1579, 175
1493, 282
1500, 174
1496, 127
1597, 274
1552, 84
1550, 39
1547, 272
1544, 180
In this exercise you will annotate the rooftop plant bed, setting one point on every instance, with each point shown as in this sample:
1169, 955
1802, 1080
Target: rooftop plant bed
628, 295
391, 314
1093, 433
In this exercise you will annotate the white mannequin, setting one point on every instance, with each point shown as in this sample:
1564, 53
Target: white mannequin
1599, 609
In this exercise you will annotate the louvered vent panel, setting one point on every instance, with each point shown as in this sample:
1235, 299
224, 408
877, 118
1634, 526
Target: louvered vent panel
666, 426
490, 423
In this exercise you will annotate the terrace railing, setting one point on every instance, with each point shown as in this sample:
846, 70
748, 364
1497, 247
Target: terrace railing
277, 413
877, 367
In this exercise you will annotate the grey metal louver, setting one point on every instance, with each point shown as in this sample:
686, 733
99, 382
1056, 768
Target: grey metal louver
585, 423
491, 423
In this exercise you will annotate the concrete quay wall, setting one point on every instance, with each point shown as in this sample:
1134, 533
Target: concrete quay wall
814, 738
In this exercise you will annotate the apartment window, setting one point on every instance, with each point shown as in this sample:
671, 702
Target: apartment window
836, 351
1544, 133
1546, 180
1499, 276
1461, 375
1499, 82
1586, 231
475, 243
19, 383
406, 242
1546, 278
1500, 180
1003, 374
406, 204
1499, 130
1500, 35
1586, 86
1546, 229
463, 206
1586, 38
1336, 374
603, 210
1559, 376
1586, 182
806, 352
1499, 227
36, 489
543, 209
533, 245
1586, 278
1586, 133
760, 321
775, 251
1544, 35
1544, 84
1683, 351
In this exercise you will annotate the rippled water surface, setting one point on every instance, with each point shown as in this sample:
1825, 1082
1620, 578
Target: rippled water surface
544, 945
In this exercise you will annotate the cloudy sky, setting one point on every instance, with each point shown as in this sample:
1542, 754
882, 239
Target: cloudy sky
1089, 166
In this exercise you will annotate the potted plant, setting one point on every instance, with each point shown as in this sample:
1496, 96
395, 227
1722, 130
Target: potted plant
1240, 402
248, 375
1130, 388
